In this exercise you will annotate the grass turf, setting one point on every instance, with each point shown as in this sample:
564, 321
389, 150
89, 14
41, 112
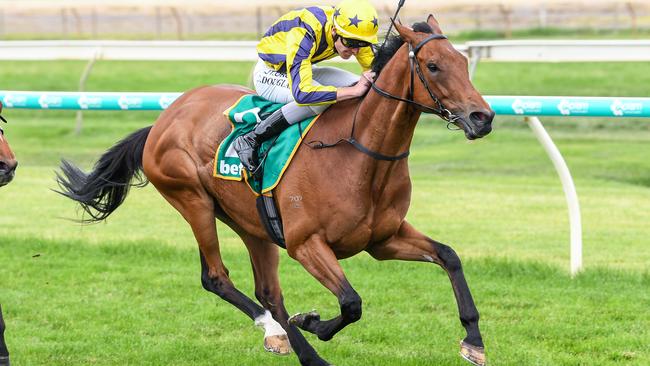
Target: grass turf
139, 302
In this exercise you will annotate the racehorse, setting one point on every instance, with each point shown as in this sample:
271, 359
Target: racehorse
335, 202
8, 161
8, 165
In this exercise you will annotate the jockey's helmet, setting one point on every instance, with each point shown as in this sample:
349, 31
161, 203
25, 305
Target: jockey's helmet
356, 19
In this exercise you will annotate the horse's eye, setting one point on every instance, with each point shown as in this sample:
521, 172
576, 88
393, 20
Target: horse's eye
433, 67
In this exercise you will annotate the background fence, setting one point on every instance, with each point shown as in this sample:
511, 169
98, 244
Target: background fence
205, 19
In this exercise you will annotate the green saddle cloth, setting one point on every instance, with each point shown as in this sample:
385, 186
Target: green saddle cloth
244, 116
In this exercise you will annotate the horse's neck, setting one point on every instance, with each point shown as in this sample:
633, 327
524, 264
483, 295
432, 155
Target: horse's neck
386, 125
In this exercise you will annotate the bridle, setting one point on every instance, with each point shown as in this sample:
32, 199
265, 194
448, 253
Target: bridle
439, 108
3, 120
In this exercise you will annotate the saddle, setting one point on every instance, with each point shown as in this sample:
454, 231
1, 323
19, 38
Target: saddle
275, 156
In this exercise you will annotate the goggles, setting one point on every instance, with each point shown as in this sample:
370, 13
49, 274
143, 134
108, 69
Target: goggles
354, 43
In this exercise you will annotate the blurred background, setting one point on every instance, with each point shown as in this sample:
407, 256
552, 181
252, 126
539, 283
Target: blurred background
246, 20
128, 292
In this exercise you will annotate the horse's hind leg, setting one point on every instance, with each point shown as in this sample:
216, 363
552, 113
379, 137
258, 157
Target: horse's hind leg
264, 258
319, 260
4, 353
411, 245
197, 207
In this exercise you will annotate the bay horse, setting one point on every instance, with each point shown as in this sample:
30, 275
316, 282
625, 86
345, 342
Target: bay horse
8, 166
8, 161
334, 202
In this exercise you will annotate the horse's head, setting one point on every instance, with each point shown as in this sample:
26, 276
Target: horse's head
8, 161
441, 80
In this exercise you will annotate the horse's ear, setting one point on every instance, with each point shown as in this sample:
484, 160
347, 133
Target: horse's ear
406, 33
431, 20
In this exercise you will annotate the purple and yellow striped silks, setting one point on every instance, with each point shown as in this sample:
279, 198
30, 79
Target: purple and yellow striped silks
298, 40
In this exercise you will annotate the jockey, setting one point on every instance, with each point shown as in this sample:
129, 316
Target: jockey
285, 72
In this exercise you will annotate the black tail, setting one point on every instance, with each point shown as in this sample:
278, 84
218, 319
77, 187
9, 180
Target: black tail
104, 189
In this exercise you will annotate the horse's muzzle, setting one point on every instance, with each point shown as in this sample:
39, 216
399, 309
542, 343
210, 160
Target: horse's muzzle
478, 124
7, 171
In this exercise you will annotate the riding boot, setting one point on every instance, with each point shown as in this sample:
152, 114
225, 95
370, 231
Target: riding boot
246, 145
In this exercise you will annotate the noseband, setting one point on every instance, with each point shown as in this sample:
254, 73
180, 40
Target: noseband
439, 108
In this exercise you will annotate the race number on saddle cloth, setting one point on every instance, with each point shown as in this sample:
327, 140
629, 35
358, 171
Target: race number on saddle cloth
244, 116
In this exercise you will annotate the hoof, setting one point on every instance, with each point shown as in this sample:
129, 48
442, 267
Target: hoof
277, 344
473, 354
302, 320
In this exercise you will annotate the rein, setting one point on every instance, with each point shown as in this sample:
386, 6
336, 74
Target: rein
3, 120
357, 145
439, 110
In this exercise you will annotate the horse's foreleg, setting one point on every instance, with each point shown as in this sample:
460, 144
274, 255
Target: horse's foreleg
411, 245
319, 260
4, 353
264, 258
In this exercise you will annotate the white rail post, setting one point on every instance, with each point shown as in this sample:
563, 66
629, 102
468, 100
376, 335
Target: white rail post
569, 191
82, 86
474, 53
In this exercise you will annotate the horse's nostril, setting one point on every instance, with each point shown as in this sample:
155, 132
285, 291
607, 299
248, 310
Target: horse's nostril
481, 117
4, 167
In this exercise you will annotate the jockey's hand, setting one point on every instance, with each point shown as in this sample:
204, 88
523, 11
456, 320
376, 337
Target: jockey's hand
357, 90
366, 80
369, 75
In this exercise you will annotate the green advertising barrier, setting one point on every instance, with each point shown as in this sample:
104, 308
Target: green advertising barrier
502, 105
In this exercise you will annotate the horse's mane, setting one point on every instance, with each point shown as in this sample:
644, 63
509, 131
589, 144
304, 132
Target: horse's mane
392, 44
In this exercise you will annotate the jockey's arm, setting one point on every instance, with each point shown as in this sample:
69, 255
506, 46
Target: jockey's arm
300, 49
357, 90
364, 57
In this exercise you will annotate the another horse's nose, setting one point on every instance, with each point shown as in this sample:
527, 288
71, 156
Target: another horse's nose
7, 171
8, 167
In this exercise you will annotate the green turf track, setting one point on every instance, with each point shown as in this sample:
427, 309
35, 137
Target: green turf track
128, 291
